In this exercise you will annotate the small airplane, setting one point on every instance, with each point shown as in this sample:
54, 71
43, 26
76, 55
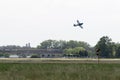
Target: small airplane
78, 24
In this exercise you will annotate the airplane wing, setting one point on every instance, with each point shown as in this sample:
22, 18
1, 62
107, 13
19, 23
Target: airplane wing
81, 27
81, 23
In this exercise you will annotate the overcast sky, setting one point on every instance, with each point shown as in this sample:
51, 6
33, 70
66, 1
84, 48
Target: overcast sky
24, 21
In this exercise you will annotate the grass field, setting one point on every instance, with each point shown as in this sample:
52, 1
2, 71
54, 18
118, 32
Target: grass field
59, 71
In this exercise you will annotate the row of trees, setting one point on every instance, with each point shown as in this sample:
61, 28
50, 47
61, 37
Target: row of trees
62, 44
108, 49
76, 52
70, 48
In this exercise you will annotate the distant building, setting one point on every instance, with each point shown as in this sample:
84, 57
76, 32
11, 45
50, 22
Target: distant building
28, 45
2, 57
28, 52
13, 56
28, 56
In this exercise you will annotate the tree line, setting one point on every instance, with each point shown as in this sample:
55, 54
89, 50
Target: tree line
72, 48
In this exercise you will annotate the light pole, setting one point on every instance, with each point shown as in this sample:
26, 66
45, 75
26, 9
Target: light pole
98, 54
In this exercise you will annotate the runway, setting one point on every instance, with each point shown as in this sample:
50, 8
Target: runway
58, 60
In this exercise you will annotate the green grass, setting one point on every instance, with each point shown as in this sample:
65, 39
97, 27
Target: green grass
59, 71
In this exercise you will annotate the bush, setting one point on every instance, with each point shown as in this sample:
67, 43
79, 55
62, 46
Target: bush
35, 56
